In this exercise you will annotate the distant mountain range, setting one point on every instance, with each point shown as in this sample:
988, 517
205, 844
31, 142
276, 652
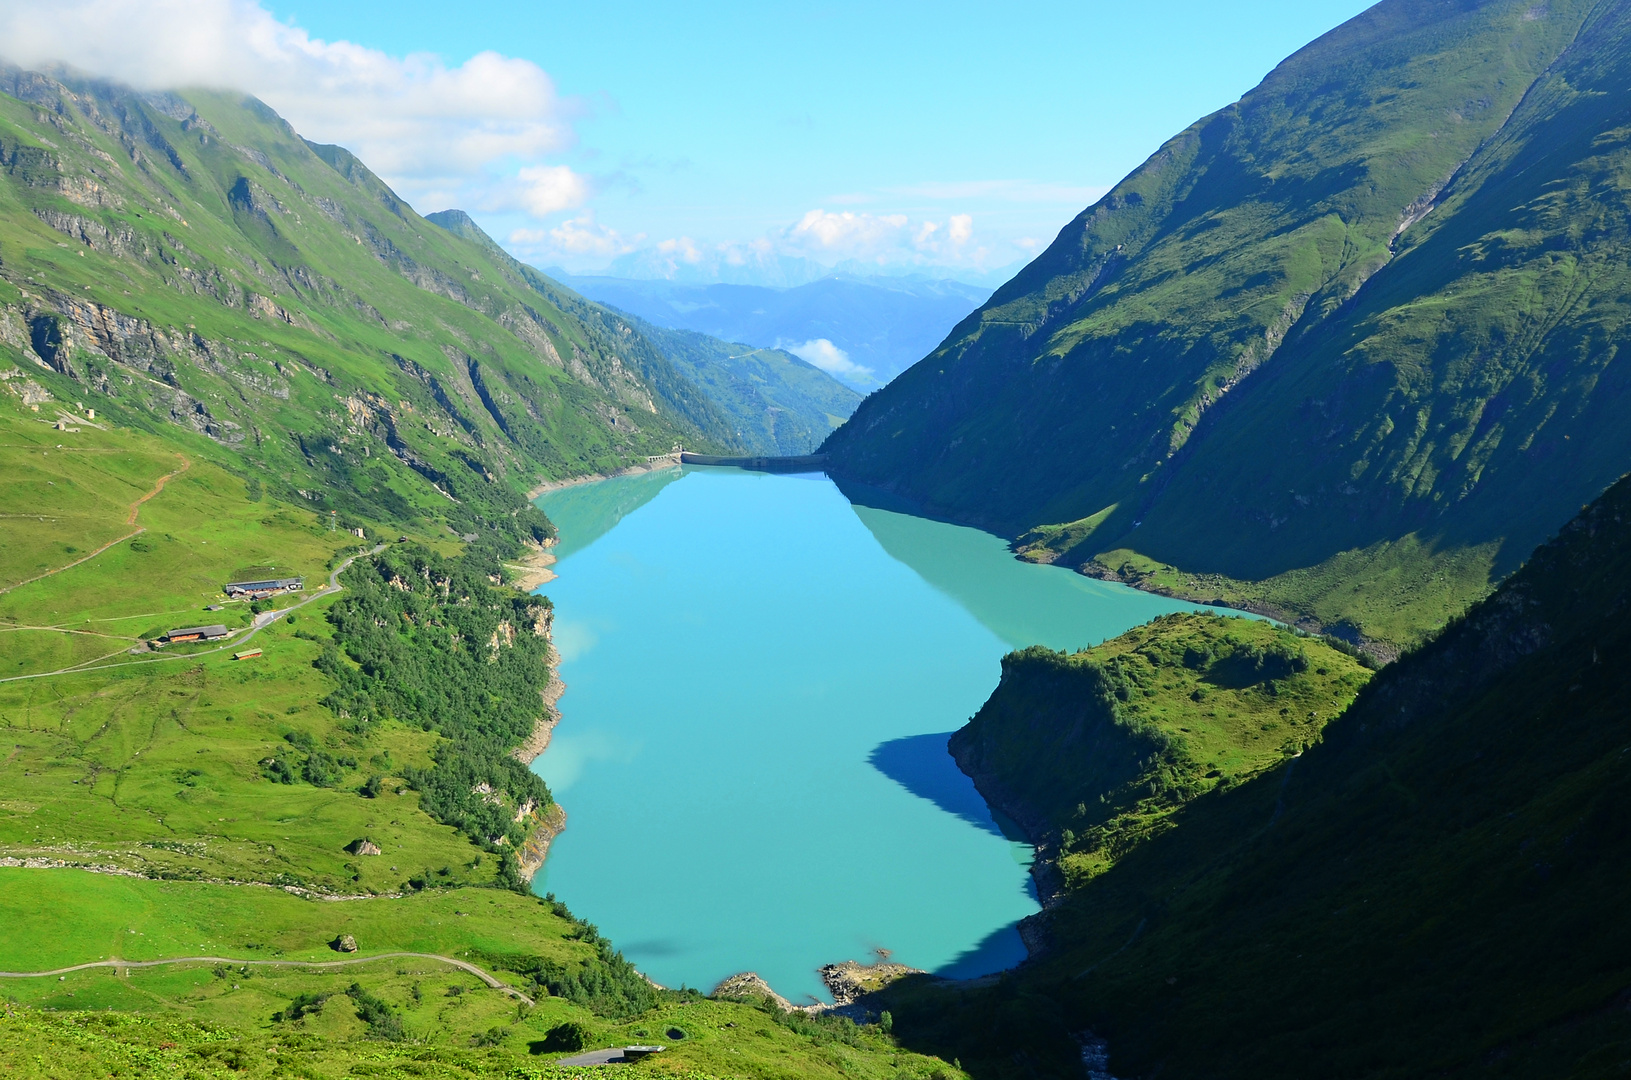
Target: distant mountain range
713, 267
1344, 351
862, 331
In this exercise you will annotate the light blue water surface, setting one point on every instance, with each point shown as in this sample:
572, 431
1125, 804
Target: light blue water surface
761, 679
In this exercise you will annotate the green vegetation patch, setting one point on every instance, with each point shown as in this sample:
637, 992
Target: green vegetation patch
61, 917
454, 1037
413, 1014
430, 642
1386, 597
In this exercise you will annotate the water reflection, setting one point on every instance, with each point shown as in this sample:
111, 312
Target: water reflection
1022, 603
583, 513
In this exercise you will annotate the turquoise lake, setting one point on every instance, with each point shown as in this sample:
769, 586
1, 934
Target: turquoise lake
760, 681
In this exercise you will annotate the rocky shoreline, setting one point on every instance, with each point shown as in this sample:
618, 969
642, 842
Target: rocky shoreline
534, 569
552, 821
538, 741
848, 982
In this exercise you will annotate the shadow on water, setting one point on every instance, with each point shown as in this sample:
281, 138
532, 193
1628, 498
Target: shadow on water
997, 951
922, 765
583, 513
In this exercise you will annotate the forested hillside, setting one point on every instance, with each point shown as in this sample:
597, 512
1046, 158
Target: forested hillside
1432, 888
1344, 350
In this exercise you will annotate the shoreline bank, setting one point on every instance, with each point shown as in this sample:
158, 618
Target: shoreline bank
534, 569
1033, 932
664, 461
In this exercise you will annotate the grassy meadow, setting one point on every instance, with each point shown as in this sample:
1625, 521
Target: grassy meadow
1391, 595
68, 916
141, 821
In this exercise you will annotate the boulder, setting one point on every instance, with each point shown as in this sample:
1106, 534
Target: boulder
363, 847
344, 943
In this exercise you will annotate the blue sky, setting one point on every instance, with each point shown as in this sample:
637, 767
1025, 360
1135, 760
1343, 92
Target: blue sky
731, 122
952, 136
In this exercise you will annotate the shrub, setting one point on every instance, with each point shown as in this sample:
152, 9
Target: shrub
383, 1023
278, 770
321, 770
302, 1005
568, 1036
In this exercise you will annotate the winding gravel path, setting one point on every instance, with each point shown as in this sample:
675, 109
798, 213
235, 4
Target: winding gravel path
135, 508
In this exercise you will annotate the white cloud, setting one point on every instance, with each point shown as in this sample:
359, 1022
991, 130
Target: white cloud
828, 357
882, 239
578, 236
847, 233
548, 189
682, 249
422, 125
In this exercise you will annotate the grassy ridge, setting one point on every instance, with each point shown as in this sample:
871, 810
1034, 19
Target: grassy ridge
1433, 888
1360, 324
449, 1019
721, 1041
1094, 752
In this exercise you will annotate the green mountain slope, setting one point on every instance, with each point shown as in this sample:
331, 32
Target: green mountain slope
694, 402
1358, 328
195, 265
1432, 889
764, 401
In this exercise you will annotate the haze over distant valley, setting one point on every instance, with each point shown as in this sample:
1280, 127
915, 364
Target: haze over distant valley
861, 331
